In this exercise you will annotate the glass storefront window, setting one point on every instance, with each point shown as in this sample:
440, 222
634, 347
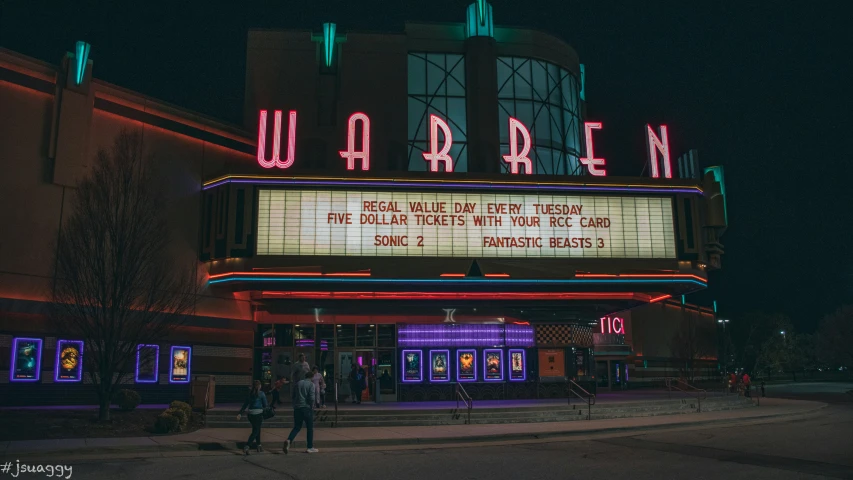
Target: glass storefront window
345, 335
303, 335
366, 335
387, 337
284, 335
385, 368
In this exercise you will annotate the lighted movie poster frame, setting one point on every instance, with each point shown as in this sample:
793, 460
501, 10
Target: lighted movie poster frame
36, 372
491, 377
61, 374
411, 378
439, 378
156, 374
459, 375
515, 376
173, 378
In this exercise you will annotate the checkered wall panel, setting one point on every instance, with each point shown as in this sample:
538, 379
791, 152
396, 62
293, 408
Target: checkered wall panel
563, 336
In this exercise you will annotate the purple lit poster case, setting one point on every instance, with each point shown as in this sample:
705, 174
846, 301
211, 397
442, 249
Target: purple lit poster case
494, 370
147, 363
69, 361
26, 360
517, 365
413, 366
466, 365
439, 361
180, 367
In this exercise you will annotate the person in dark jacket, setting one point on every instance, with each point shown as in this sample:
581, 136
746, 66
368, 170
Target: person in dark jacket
304, 398
256, 402
356, 382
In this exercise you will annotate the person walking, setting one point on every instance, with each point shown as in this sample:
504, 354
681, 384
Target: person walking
303, 412
319, 387
256, 402
356, 382
747, 383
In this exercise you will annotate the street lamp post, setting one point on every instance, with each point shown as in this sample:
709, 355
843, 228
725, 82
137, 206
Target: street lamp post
724, 323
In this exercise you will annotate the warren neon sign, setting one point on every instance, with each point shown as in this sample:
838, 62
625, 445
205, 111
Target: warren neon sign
439, 158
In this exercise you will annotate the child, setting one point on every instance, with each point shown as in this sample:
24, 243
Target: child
319, 387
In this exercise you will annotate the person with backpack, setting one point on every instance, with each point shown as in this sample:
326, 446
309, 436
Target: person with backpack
303, 412
256, 402
356, 382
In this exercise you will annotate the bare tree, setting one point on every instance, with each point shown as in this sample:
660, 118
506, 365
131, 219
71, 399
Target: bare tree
117, 283
692, 343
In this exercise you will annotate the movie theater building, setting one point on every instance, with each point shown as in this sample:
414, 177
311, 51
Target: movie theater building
427, 203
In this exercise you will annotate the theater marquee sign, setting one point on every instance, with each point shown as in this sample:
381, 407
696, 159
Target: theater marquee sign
430, 224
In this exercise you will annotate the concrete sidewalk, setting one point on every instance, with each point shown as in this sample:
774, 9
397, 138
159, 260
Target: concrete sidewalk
231, 439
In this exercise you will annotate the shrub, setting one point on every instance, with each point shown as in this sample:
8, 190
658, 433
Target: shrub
182, 417
127, 400
167, 423
184, 407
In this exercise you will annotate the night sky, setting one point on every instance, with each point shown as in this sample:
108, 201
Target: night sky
759, 87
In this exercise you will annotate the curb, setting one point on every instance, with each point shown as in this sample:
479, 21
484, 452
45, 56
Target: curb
404, 442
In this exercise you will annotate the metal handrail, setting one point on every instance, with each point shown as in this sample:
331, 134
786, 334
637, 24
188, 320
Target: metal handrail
335, 422
589, 399
461, 394
691, 390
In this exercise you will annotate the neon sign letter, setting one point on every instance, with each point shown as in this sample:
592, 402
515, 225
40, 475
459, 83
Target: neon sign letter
434, 156
613, 325
276, 141
514, 158
590, 161
350, 154
658, 144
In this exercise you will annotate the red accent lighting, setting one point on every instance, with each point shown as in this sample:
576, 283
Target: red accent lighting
454, 295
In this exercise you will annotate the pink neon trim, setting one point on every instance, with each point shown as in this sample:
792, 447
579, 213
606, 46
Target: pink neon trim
514, 158
276, 141
350, 154
658, 144
434, 156
590, 161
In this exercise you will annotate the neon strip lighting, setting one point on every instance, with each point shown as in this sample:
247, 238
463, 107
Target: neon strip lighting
514, 159
481, 11
172, 364
446, 366
259, 277
590, 161
329, 43
351, 154
291, 274
641, 275
523, 353
583, 82
465, 335
500, 354
305, 342
37, 342
498, 275
156, 363
658, 299
81, 57
77, 376
715, 306
444, 185
658, 144
452, 275
276, 161
434, 156
473, 354
421, 374
455, 295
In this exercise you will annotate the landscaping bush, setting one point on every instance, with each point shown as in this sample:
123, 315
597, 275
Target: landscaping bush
183, 406
182, 417
167, 423
127, 400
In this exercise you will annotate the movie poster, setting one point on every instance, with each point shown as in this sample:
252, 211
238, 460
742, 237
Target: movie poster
26, 360
439, 365
69, 361
412, 366
517, 365
147, 363
467, 367
180, 370
493, 365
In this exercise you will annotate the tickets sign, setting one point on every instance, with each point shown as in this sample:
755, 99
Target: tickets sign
431, 224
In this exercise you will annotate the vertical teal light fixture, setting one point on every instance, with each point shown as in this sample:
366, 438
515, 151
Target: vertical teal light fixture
683, 298
715, 306
479, 22
720, 177
81, 57
329, 43
583, 82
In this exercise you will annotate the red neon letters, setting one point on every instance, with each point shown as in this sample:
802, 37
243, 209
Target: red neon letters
514, 158
434, 156
590, 161
350, 154
276, 141
613, 325
661, 145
